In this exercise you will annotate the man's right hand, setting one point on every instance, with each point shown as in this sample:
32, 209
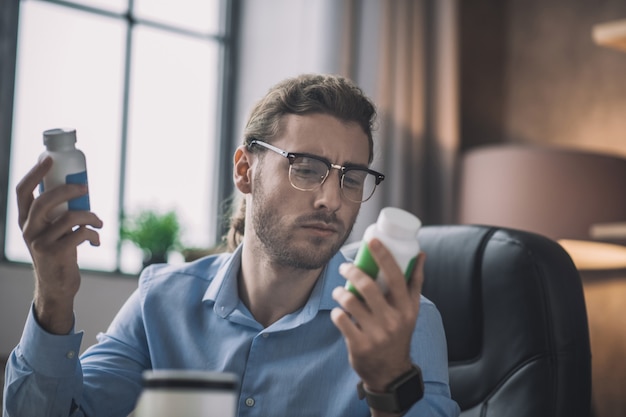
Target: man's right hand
52, 244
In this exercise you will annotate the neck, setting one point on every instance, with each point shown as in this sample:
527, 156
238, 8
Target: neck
271, 291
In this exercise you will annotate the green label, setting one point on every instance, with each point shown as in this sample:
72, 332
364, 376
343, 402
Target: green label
366, 263
409, 268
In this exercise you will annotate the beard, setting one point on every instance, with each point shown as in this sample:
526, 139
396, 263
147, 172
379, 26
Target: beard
278, 242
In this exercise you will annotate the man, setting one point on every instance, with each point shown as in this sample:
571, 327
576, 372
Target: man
274, 311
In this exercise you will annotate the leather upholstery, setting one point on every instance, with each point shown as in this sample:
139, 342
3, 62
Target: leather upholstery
515, 319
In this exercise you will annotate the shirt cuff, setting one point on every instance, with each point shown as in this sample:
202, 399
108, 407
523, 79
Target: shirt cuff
49, 354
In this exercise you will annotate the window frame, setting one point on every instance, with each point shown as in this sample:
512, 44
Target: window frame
229, 26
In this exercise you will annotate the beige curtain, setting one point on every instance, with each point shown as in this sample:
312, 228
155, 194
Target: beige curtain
404, 54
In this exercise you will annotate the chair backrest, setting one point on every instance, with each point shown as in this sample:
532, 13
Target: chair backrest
514, 313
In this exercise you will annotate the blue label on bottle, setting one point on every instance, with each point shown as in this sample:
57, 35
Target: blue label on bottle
82, 202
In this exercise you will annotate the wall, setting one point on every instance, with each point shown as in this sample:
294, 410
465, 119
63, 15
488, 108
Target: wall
280, 39
531, 73
558, 68
99, 298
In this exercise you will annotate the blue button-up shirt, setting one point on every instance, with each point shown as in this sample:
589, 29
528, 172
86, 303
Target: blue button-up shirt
190, 317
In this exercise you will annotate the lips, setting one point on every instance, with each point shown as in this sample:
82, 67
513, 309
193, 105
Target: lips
322, 224
324, 227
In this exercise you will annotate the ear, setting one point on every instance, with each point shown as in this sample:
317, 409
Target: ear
242, 169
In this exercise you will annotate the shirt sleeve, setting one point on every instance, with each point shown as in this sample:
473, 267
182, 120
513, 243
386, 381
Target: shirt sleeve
45, 376
429, 351
43, 373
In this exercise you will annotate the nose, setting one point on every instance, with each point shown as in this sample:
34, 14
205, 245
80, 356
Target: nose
329, 194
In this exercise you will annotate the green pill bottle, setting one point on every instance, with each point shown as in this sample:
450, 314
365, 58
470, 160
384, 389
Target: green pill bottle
397, 230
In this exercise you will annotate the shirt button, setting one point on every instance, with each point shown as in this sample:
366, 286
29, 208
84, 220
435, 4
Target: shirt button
266, 335
70, 354
250, 402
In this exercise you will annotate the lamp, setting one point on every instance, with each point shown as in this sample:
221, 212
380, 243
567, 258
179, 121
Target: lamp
577, 198
610, 34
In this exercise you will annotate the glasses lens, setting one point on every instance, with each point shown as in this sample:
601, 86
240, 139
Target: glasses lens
358, 185
307, 173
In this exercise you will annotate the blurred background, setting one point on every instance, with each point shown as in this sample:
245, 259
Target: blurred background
159, 93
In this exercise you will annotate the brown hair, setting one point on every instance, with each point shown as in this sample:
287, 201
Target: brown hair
306, 94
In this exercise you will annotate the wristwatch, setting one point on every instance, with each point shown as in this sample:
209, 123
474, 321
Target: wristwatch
399, 395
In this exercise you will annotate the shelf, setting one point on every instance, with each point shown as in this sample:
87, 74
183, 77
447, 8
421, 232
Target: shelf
608, 231
611, 34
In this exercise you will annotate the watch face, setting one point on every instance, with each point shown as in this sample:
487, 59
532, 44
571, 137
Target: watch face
409, 391
401, 394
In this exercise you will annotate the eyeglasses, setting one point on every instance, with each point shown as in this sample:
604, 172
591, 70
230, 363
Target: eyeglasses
307, 172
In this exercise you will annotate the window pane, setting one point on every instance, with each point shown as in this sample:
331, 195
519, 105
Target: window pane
69, 74
198, 15
117, 6
171, 140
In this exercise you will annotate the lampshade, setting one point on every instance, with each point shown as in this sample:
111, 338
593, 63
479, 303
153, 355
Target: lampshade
560, 193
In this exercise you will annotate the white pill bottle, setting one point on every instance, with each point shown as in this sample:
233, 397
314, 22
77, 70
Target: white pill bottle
68, 167
397, 230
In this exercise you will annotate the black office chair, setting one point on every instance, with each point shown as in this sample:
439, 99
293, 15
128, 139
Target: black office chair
515, 319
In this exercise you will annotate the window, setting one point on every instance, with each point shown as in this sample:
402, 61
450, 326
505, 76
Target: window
143, 82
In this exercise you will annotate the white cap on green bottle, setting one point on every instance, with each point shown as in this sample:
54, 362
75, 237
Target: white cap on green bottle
398, 223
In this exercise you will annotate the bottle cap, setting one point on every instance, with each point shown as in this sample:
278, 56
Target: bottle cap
63, 136
398, 223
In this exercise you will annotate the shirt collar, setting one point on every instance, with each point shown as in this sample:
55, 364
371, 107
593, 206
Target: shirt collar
223, 288
224, 293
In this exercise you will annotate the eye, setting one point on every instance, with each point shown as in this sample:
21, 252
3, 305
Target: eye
354, 179
308, 168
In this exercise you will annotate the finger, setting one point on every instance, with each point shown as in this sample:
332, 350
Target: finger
26, 187
346, 325
41, 207
392, 274
62, 226
371, 295
83, 234
69, 241
73, 219
355, 308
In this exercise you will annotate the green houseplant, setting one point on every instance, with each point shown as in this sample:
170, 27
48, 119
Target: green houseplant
154, 233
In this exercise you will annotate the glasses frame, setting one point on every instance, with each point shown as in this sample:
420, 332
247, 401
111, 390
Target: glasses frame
291, 157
